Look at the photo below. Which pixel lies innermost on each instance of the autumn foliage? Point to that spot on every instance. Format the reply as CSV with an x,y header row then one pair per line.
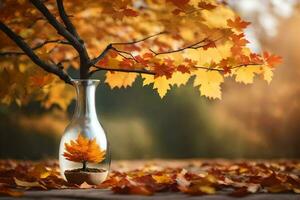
x,y
84,150
165,43
191,177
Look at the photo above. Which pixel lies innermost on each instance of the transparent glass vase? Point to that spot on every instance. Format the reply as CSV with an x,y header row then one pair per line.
x,y
84,154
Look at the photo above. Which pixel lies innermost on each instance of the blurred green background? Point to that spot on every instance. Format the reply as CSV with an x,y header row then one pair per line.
x,y
251,121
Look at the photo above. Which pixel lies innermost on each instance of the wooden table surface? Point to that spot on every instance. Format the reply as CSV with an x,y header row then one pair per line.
x,y
89,194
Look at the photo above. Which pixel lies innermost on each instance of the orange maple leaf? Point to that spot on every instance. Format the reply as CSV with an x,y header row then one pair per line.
x,y
272,60
237,24
180,3
130,13
206,6
84,150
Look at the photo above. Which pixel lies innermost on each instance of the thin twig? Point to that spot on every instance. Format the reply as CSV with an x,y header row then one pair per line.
x,y
140,40
38,46
141,71
110,46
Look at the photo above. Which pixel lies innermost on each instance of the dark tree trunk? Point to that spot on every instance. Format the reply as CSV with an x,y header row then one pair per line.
x,y
84,165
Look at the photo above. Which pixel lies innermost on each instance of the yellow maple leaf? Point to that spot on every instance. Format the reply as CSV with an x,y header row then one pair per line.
x,y
179,78
59,94
147,79
120,79
268,74
218,17
246,74
209,83
161,84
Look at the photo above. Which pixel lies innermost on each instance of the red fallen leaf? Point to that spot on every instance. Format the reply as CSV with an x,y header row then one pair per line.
x,y
110,182
130,13
240,192
270,181
206,6
141,190
10,192
136,190
294,181
237,23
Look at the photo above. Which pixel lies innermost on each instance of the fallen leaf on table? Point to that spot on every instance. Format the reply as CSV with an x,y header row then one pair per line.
x,y
34,184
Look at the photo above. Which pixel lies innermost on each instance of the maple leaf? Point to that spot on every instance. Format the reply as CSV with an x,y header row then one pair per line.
x,y
179,78
206,5
238,43
239,39
179,3
163,70
272,60
246,74
61,95
129,12
120,79
83,150
161,84
183,69
210,44
209,83
238,24
29,184
268,74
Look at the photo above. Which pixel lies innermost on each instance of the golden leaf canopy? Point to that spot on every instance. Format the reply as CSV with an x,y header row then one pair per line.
x,y
166,42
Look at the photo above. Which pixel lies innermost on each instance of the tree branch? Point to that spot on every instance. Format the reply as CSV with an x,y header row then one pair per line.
x,y
140,71
140,40
70,27
110,46
192,46
143,71
80,48
30,53
38,46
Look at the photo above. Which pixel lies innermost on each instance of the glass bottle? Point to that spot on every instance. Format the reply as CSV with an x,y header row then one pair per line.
x,y
84,154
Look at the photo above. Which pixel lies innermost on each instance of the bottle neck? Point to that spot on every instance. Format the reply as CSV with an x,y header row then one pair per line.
x,y
85,105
